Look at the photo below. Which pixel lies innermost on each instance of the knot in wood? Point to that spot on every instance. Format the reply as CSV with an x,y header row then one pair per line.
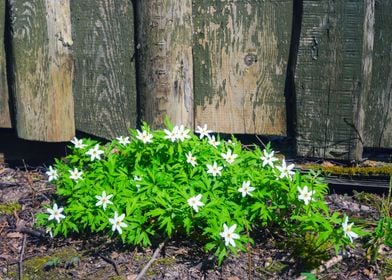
x,y
249,59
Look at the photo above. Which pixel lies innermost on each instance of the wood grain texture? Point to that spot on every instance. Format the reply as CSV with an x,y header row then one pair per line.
x,y
378,112
5,117
329,77
42,69
104,83
166,66
240,58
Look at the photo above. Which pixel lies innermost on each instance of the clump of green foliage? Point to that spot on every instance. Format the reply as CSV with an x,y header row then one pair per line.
x,y
156,184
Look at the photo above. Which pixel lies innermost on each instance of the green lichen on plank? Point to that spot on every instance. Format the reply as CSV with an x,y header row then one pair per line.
x,y
104,84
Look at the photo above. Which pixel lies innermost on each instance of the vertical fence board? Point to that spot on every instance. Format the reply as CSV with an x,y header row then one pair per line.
x,y
330,79
104,83
42,69
240,58
165,56
5,118
378,111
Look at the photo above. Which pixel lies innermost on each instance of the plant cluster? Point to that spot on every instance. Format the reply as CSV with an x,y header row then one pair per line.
x,y
156,184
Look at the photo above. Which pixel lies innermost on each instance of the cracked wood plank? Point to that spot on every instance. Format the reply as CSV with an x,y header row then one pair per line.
x,y
165,61
241,50
332,77
5,117
42,69
104,84
378,112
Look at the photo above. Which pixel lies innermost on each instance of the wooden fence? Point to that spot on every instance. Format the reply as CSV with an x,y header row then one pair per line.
x,y
319,71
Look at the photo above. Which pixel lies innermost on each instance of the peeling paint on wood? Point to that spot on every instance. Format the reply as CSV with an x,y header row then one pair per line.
x,y
104,83
240,58
329,78
378,120
5,117
42,69
165,61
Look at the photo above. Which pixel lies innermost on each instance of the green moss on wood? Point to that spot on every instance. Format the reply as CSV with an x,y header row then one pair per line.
x,y
9,208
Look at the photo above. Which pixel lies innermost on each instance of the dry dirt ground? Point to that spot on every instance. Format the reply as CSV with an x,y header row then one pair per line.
x,y
28,253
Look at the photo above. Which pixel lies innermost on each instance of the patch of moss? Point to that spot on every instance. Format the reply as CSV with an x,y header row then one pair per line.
x,y
9,208
48,266
353,170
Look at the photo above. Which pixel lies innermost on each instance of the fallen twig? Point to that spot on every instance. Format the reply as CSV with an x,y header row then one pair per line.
x,y
20,263
154,256
30,231
325,266
112,262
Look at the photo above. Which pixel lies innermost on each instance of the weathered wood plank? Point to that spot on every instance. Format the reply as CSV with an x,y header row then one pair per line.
x,y
165,61
240,58
330,81
104,83
42,69
5,118
378,112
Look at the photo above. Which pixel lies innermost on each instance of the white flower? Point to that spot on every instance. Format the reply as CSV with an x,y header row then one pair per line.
x,y
75,174
95,153
348,232
203,131
123,140
195,202
230,142
117,222
183,133
229,157
268,158
214,169
246,189
144,136
213,142
49,231
191,159
78,143
305,195
103,200
55,213
285,171
52,173
171,135
229,235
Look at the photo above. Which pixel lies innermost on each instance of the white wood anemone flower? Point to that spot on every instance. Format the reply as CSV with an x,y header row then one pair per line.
x,y
229,156
171,135
285,170
191,159
214,169
212,141
55,213
123,140
246,189
183,133
229,235
144,136
305,194
95,153
52,173
103,200
347,229
75,174
203,131
268,158
195,202
117,222
78,143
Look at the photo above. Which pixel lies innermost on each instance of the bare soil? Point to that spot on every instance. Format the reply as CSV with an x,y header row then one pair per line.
x,y
29,253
